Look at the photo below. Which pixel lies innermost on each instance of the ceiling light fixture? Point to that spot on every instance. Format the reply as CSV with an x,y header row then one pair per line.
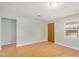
x,y
54,4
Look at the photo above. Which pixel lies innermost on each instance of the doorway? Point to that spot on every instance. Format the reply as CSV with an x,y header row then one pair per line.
x,y
51,32
8,31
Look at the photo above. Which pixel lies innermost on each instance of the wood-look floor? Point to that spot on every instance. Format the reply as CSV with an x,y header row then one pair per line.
x,y
43,49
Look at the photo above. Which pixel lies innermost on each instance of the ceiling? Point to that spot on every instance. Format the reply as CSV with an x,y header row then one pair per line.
x,y
40,10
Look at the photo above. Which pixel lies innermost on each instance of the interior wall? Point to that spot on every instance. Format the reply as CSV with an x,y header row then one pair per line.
x,y
31,31
60,38
8,31
0,33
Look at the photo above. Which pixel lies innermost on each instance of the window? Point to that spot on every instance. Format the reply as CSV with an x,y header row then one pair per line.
x,y
72,29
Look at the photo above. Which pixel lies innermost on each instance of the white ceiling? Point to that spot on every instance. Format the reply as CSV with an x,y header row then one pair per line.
x,y
40,10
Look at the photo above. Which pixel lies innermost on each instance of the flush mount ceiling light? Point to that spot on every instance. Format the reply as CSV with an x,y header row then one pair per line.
x,y
54,4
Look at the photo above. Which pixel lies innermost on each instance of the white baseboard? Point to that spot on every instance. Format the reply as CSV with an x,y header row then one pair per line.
x,y
29,43
8,43
67,46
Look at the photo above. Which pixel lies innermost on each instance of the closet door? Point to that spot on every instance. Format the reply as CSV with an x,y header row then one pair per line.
x,y
8,31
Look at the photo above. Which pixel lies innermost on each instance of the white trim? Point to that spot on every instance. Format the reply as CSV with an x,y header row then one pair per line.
x,y
67,46
19,45
54,31
8,43
51,21
0,48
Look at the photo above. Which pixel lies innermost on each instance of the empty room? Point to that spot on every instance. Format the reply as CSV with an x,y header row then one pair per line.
x,y
39,29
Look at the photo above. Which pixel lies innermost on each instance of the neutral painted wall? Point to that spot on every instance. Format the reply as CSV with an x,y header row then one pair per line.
x,y
60,38
8,31
31,31
0,33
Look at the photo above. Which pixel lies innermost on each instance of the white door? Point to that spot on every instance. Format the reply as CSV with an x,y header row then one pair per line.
x,y
8,31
